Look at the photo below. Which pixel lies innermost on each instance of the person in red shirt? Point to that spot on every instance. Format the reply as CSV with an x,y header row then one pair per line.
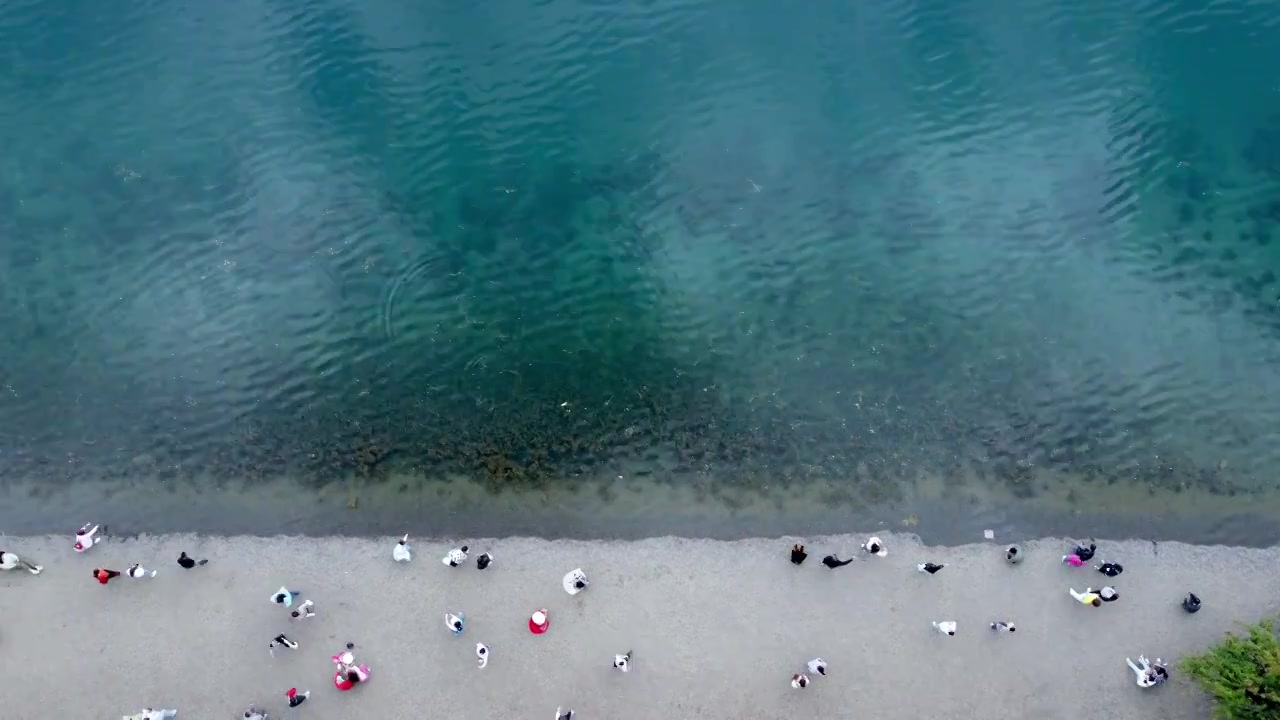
x,y
104,576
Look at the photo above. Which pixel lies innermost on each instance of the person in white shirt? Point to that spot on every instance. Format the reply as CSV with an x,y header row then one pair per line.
x,y
875,546
566,715
87,537
946,627
622,662
456,557
284,596
9,561
575,581
799,681
1149,674
819,666
401,552
304,611
136,571
454,622
482,655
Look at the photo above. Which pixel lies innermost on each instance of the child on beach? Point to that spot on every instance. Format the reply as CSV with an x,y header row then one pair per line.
x,y
799,681
304,611
402,552
1002,626
1088,598
279,640
622,662
87,537
1110,569
454,623
833,562
819,666
284,596
1013,555
456,557
104,576
798,554
484,561
575,581
482,655
137,572
946,627
9,561
875,546
187,562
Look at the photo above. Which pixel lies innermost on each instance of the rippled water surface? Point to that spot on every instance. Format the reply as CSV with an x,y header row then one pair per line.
x,y
723,246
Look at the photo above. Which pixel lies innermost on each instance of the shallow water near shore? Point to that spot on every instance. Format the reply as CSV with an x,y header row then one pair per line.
x,y
685,268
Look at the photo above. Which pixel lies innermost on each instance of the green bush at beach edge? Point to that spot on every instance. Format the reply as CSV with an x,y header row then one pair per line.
x,y
1241,673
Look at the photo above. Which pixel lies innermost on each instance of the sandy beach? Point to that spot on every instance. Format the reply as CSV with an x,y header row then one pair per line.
x,y
717,629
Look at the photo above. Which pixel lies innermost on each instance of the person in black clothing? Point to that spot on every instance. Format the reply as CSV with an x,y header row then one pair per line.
x,y
834,562
798,554
1110,569
1191,603
484,561
187,562
1085,553
929,567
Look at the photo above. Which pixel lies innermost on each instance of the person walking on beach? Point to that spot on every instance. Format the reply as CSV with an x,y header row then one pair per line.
x,y
875,546
566,715
798,554
929,567
1013,555
575,581
279,640
402,552
103,576
946,627
137,572
87,537
1087,598
1191,603
284,596
296,698
799,681
454,623
187,562
833,562
484,561
819,666
622,662
1110,569
1002,626
9,561
482,655
455,557
304,611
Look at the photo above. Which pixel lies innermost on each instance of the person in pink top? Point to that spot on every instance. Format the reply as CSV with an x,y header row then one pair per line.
x,y
87,537
1072,560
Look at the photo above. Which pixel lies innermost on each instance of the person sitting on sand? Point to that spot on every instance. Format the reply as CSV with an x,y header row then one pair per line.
x,y
931,568
187,562
454,623
1088,598
1110,569
1107,593
1073,560
834,562
253,713
799,681
622,662
104,575
138,572
566,715
798,554
875,546
304,611
9,561
484,561
1003,626
1147,674
1013,555
402,552
284,596
455,557
482,655
1084,553
946,627
1191,603
575,581
296,698
819,666
87,537
281,640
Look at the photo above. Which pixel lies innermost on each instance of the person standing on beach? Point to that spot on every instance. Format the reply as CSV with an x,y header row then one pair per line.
x,y
103,576
929,567
484,561
1110,569
402,552
622,662
1088,598
1013,555
833,562
87,537
187,562
799,681
875,546
798,554
1002,626
946,627
279,640
455,557
137,572
304,611
575,581
284,596
9,561
819,666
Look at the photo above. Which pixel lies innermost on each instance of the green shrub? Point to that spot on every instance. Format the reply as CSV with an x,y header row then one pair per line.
x,y
1242,673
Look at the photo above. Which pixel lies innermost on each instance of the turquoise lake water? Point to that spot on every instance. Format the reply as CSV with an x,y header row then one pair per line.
x,y
712,245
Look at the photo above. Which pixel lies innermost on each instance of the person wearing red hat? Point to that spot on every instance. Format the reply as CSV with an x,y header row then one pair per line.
x,y
539,622
104,576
